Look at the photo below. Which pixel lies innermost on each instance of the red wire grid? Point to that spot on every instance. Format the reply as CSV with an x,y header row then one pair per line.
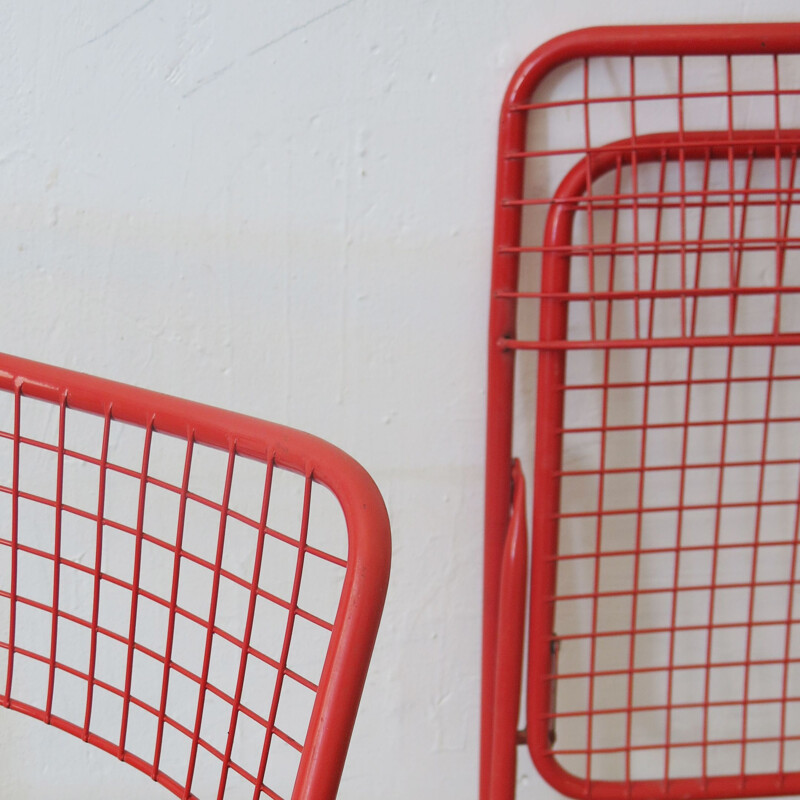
x,y
647,261
193,591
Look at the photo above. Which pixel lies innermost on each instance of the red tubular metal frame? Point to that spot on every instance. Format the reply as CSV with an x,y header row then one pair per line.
x,y
671,151
350,629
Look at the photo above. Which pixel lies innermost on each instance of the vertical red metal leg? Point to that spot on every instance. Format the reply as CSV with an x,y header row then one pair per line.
x,y
510,637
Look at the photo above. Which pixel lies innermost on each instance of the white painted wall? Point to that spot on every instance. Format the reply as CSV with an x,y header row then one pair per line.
x,y
286,209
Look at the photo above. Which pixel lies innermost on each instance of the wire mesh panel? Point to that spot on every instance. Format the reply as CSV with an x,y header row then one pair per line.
x,y
648,256
193,591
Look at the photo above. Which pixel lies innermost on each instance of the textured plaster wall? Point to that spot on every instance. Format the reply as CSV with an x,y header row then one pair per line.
x,y
285,209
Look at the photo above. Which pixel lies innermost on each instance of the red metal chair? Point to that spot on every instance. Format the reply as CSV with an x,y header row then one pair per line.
x,y
647,259
193,591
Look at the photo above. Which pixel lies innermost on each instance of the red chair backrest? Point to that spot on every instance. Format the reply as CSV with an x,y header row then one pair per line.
x,y
647,251
194,591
